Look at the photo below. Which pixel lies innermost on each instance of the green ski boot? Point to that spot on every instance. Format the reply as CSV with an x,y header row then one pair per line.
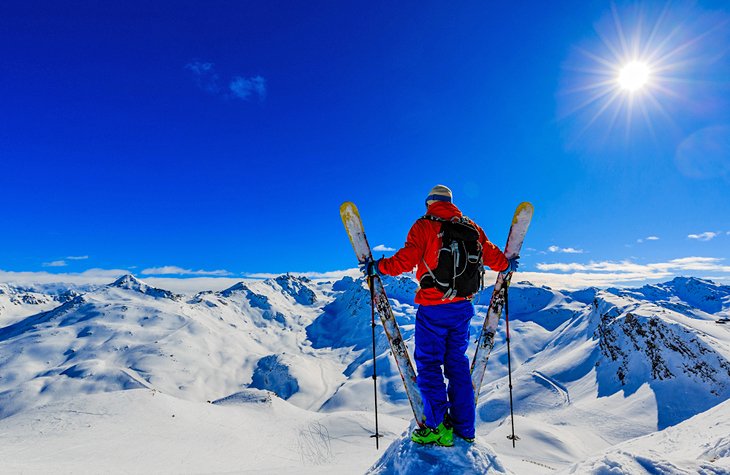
x,y
441,435
450,425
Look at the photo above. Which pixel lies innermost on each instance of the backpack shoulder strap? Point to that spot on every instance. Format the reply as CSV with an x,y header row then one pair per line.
x,y
431,217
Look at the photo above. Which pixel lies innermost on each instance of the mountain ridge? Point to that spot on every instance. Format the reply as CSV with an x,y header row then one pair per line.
x,y
583,360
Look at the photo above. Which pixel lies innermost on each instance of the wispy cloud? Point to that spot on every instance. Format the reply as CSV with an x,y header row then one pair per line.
x,y
175,270
60,263
685,263
239,87
706,236
90,276
648,238
204,76
565,250
97,277
383,248
246,88
191,285
605,273
568,276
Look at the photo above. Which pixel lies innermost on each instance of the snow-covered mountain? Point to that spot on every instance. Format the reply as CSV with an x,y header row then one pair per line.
x,y
19,302
591,369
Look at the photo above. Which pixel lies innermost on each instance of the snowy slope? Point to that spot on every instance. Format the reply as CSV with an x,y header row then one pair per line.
x,y
129,335
144,431
591,369
698,445
618,369
17,302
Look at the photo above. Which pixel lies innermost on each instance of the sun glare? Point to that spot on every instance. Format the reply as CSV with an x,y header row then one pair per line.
x,y
633,76
642,63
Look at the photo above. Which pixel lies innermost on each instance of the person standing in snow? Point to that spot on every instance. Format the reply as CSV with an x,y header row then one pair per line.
x,y
443,316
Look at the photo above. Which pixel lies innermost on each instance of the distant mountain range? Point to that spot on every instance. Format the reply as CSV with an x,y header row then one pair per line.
x,y
591,368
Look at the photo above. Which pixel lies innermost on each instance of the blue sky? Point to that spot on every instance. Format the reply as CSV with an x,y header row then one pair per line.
x,y
221,137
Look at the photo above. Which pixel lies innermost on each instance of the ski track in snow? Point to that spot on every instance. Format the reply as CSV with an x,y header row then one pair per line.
x,y
557,387
68,401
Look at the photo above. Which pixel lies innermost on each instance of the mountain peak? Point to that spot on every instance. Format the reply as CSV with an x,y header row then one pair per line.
x,y
290,277
235,288
130,282
296,287
691,281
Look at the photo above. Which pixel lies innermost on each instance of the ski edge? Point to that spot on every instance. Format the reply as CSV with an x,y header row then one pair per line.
x,y
518,230
353,224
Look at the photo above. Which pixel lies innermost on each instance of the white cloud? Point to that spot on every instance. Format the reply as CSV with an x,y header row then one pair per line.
x,y
565,250
77,258
204,76
60,263
648,238
91,276
383,248
175,270
107,276
568,276
244,88
192,285
239,87
606,273
706,236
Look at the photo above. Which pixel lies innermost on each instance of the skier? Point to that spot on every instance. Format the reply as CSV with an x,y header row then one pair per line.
x,y
444,312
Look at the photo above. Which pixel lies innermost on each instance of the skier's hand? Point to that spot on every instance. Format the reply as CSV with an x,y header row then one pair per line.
x,y
370,268
512,266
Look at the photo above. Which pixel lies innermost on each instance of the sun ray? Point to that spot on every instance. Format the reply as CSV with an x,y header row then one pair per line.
x,y
647,119
592,99
639,68
606,83
619,29
659,107
606,105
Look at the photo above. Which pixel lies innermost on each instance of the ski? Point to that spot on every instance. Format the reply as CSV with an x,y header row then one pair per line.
x,y
485,342
356,232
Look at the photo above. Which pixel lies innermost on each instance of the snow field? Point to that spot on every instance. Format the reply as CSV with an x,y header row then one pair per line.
x,y
90,385
147,431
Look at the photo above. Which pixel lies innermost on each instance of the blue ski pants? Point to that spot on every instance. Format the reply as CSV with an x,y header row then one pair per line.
x,y
442,336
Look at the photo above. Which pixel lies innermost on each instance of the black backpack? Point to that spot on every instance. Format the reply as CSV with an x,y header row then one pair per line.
x,y
460,270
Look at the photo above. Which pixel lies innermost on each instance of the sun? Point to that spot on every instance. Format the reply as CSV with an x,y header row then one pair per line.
x,y
642,65
634,76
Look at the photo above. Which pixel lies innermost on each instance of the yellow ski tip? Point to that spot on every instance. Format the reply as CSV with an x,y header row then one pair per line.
x,y
348,208
347,205
522,208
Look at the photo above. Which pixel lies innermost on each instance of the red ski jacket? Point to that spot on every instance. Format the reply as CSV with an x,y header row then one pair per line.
x,y
423,243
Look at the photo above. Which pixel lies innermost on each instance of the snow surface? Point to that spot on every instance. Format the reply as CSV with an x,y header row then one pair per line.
x,y
406,458
274,376
18,302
